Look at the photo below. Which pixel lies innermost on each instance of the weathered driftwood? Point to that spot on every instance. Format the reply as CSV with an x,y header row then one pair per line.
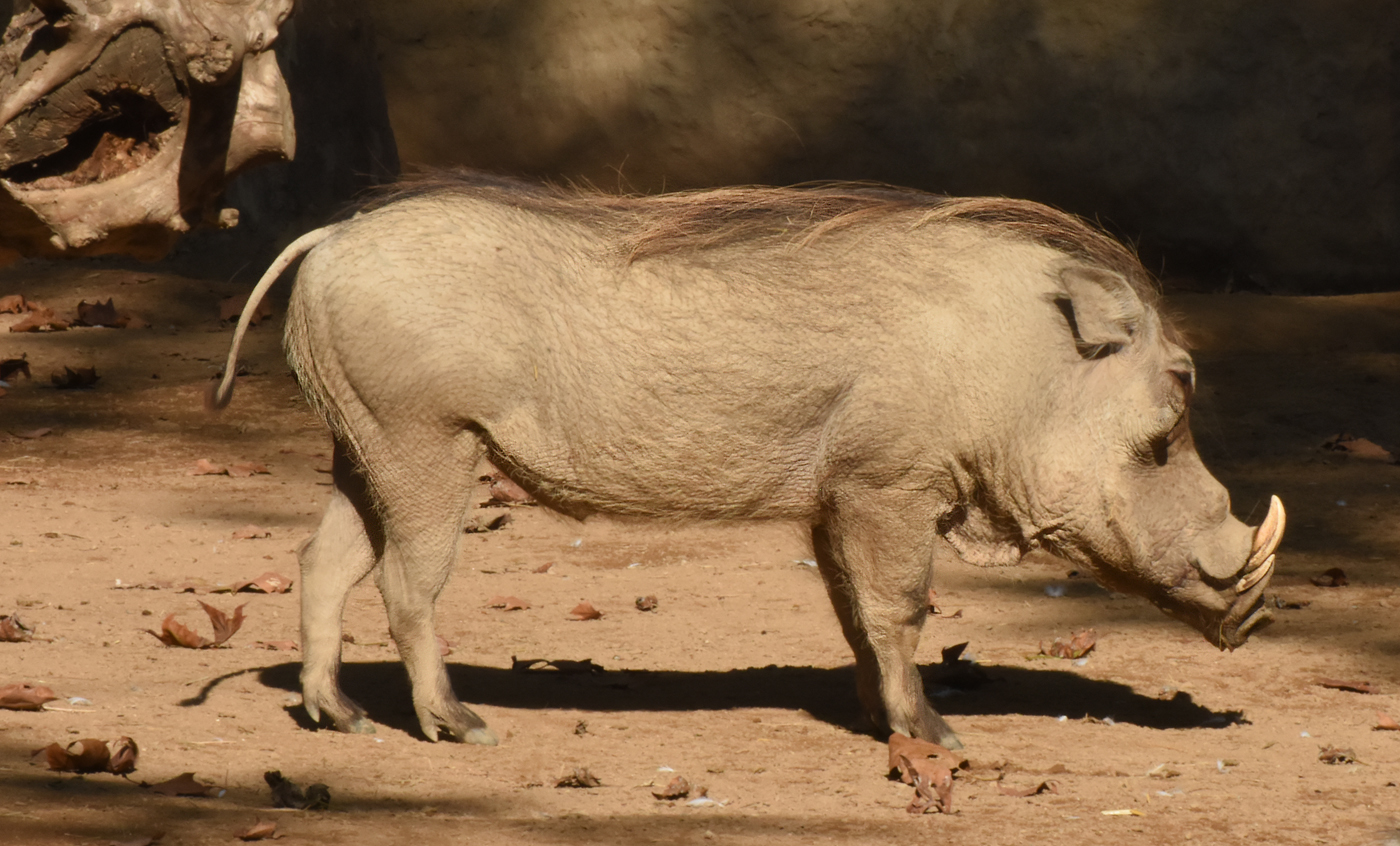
x,y
121,121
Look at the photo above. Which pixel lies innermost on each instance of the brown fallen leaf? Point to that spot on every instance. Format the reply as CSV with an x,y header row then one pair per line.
x,y
580,777
250,532
543,568
646,603
251,468
123,754
507,603
23,696
1034,790
41,319
231,307
88,755
480,525
1336,755
70,379
929,768
541,665
1358,447
98,314
10,366
33,434
173,633
260,830
585,611
502,491
1353,686
268,582
1384,722
288,794
277,645
676,788
13,630
1079,645
183,784
12,304
1335,577
205,467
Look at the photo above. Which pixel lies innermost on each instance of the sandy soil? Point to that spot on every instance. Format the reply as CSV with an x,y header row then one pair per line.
x,y
739,679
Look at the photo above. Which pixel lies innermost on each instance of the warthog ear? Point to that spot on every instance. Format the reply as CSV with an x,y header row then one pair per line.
x,y
1102,308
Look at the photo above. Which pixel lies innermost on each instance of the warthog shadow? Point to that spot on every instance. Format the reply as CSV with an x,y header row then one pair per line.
x,y
828,695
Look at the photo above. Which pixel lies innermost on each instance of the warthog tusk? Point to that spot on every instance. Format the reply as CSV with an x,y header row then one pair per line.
x,y
1253,577
1267,536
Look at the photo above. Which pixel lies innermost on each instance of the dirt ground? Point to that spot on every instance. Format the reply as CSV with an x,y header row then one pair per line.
x,y
739,680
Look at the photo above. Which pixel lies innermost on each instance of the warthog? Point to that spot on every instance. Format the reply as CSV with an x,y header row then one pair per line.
x,y
886,367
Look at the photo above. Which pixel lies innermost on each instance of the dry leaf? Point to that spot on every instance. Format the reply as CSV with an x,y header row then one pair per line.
x,y
12,304
40,319
33,434
676,788
579,778
1359,447
538,665
288,794
23,696
268,582
205,467
503,491
260,830
249,532
231,307
1079,645
478,525
1353,686
1384,722
543,568
13,630
929,768
1035,790
10,366
123,754
98,314
251,468
507,603
277,645
585,611
88,755
181,785
1335,755
83,377
646,603
175,634
1335,577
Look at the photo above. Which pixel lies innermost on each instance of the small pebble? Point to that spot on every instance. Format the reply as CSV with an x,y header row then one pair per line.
x,y
1054,590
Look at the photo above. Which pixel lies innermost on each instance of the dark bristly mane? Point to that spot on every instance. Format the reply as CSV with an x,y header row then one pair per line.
x,y
647,226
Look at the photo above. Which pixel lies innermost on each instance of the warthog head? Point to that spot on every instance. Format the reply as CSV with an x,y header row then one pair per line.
x,y
1109,477
122,120
1145,515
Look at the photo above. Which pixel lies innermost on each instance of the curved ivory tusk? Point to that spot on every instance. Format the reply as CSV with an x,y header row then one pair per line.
x,y
1252,578
1268,535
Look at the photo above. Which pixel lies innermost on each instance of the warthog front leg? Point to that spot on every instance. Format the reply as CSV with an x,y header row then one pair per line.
x,y
876,558
335,558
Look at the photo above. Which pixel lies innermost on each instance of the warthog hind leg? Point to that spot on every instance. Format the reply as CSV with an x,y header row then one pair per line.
x,y
424,503
876,558
337,557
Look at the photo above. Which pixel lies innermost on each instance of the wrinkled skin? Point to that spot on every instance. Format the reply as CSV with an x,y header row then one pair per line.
x,y
909,377
122,120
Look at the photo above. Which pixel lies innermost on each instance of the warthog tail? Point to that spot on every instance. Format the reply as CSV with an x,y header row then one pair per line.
x,y
217,397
